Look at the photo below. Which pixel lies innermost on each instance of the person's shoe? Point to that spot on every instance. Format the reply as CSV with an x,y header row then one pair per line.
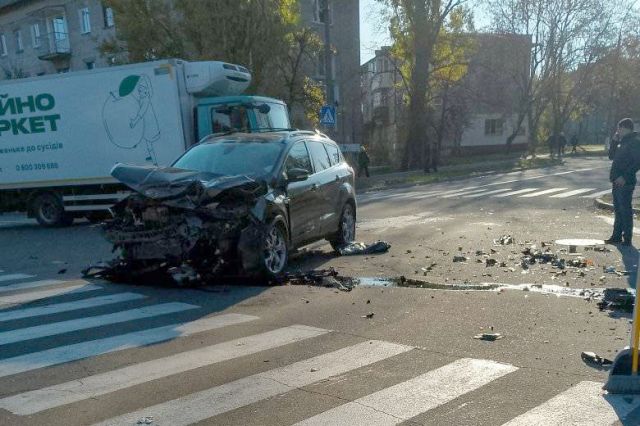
x,y
613,240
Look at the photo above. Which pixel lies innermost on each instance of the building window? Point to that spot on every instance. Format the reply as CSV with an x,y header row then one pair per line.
x,y
3,45
35,35
108,17
493,127
90,65
85,20
19,44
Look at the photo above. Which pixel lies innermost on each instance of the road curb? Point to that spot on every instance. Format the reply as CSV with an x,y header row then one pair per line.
x,y
601,204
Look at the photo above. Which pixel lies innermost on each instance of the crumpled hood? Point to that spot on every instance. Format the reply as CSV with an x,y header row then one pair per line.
x,y
166,183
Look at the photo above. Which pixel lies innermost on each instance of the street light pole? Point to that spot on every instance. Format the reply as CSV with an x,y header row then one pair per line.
x,y
328,54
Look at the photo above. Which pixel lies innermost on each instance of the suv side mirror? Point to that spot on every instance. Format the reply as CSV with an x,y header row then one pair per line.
x,y
297,175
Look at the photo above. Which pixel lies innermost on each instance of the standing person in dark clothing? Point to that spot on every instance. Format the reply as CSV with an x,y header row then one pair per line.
x,y
551,141
363,162
561,140
574,144
625,153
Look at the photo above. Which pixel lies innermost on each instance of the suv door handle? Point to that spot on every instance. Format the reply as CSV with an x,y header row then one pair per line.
x,y
337,178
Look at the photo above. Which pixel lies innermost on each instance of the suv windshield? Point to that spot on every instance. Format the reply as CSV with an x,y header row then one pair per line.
x,y
230,158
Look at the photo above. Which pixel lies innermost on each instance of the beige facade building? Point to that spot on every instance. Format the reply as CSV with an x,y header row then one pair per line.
x,y
481,112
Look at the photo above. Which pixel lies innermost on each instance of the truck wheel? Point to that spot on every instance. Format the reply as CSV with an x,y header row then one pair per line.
x,y
49,211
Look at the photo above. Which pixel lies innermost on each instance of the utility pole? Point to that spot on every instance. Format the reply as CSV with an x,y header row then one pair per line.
x,y
328,54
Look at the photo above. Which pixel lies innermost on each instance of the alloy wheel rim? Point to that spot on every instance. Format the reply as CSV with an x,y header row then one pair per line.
x,y
275,251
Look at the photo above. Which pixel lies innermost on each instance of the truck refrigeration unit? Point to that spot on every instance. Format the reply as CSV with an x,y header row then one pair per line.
x,y
60,135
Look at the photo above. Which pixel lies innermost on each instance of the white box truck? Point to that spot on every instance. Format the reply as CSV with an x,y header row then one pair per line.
x,y
61,134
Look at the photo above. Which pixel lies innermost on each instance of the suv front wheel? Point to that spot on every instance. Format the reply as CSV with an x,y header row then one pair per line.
x,y
347,229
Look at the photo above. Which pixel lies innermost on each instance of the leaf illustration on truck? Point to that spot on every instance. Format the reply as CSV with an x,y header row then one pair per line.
x,y
129,116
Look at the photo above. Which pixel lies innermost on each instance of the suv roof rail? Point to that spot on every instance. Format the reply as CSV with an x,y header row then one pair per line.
x,y
303,132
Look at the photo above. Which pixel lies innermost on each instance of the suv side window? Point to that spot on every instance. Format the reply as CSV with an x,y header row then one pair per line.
x,y
319,155
298,158
334,153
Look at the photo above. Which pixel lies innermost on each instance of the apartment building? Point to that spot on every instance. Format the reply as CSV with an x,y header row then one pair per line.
x,y
47,36
487,97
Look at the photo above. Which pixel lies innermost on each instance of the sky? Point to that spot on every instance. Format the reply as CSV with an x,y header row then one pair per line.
x,y
373,32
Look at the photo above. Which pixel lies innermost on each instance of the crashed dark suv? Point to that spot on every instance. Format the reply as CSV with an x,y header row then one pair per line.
x,y
241,201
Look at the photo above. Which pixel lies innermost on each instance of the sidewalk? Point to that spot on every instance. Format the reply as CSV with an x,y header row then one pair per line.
x,y
606,202
452,172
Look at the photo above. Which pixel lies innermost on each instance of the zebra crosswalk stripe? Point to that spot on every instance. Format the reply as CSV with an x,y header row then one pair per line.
x,y
598,194
230,396
484,194
583,404
572,193
52,329
29,285
93,386
403,401
545,192
57,308
458,194
45,294
13,277
518,192
74,352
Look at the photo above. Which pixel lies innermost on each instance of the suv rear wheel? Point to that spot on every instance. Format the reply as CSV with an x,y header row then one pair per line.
x,y
347,229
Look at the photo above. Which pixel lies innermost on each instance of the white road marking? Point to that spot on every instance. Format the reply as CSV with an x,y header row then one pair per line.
x,y
230,396
545,192
45,294
13,277
52,329
100,384
458,194
69,306
518,192
572,193
610,221
583,405
28,285
50,357
401,402
497,191
598,194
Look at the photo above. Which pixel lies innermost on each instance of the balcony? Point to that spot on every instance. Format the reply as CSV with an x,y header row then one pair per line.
x,y
53,46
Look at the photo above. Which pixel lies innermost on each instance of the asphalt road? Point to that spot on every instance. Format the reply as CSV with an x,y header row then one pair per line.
x,y
76,352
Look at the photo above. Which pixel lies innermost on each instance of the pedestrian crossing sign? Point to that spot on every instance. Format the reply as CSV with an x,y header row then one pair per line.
x,y
328,116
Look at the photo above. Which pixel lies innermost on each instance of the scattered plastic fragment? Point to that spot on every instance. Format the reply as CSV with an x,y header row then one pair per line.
x,y
147,420
489,337
594,359
353,249
369,315
459,259
504,240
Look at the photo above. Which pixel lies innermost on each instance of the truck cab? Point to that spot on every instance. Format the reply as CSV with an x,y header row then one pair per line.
x,y
240,113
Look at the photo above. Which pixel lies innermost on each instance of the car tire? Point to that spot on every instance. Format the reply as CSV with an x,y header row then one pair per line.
x,y
346,229
258,248
49,210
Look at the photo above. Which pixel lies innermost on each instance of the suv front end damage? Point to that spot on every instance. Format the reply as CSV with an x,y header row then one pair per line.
x,y
186,221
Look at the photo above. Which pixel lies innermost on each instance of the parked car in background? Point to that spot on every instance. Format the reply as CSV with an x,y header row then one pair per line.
x,y
242,200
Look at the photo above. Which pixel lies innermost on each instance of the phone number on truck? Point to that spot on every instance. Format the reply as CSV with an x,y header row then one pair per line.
x,y
36,166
